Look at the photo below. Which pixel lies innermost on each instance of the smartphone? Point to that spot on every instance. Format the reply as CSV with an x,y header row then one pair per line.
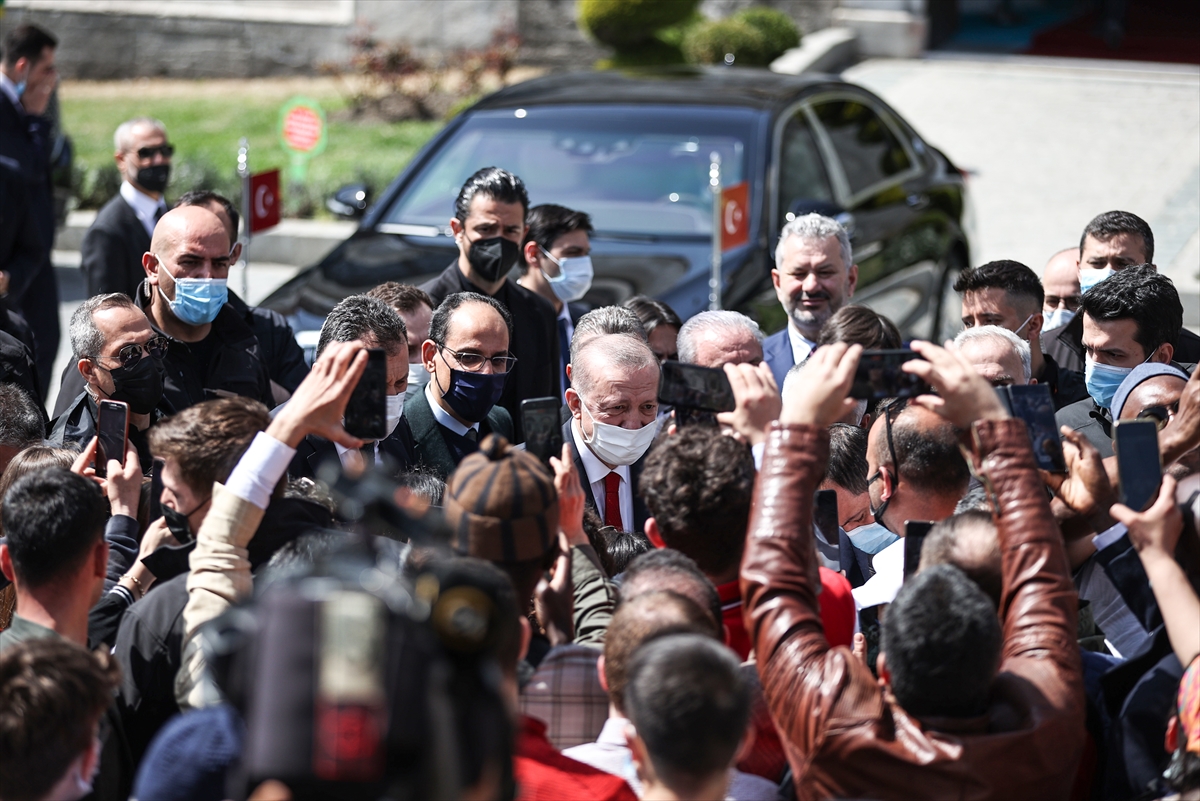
x,y
366,413
112,427
690,386
1035,406
1139,463
879,376
915,532
825,527
542,420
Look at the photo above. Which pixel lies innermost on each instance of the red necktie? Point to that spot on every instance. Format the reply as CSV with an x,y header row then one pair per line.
x,y
612,501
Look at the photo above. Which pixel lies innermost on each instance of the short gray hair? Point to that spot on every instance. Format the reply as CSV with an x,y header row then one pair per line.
x,y
1009,338
729,322
621,353
86,339
124,132
815,227
602,321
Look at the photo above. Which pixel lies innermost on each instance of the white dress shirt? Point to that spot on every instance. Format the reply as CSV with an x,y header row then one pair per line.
x,y
801,345
596,471
145,207
345,457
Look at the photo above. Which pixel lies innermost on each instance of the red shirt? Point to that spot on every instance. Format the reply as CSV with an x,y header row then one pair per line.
x,y
835,601
543,774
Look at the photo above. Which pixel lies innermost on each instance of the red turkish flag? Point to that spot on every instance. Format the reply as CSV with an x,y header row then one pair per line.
x,y
264,201
735,216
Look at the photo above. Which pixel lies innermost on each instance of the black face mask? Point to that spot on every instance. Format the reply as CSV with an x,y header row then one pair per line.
x,y
177,523
154,178
491,259
141,385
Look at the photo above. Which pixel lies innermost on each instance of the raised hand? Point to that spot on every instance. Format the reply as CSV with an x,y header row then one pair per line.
x,y
319,403
758,401
964,396
571,498
818,396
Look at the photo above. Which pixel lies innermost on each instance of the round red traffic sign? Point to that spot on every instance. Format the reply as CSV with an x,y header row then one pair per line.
x,y
302,128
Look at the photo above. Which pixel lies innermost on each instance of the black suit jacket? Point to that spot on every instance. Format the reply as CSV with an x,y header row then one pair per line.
x,y
534,340
640,512
313,451
21,251
112,250
430,449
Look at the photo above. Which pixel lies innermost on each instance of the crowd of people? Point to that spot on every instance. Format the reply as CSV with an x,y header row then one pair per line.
x,y
252,602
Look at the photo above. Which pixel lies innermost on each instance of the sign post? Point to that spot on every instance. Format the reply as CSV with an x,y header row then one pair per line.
x,y
243,169
714,185
303,132
260,206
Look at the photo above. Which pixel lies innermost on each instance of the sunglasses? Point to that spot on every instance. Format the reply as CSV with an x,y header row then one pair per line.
x,y
148,152
1159,415
130,355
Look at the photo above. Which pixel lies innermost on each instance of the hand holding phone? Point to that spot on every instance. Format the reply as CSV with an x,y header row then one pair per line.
x,y
1139,464
541,419
1035,406
112,430
879,376
692,387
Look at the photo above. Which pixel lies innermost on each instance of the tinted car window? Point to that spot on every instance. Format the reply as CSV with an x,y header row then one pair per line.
x,y
801,172
865,145
633,169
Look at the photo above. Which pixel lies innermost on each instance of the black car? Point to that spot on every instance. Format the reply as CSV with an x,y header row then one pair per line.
x,y
633,150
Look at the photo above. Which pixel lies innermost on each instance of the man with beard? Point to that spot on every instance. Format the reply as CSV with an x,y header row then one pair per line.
x,y
814,276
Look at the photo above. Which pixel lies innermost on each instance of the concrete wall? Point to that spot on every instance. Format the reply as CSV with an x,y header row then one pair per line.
x,y
115,39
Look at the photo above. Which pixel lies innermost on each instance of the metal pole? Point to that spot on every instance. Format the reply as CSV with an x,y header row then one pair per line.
x,y
714,184
244,173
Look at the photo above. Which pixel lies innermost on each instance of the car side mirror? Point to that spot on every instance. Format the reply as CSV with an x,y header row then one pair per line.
x,y
350,201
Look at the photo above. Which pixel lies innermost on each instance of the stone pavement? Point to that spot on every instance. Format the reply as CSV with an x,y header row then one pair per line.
x,y
1052,142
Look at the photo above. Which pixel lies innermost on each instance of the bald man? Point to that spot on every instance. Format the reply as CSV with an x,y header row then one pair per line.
x,y
1060,279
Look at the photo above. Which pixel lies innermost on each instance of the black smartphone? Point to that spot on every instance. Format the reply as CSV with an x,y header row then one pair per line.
x,y
366,413
1139,462
112,426
825,527
915,532
542,420
1035,406
690,386
879,376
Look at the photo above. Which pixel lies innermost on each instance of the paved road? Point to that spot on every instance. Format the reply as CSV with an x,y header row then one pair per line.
x,y
1053,142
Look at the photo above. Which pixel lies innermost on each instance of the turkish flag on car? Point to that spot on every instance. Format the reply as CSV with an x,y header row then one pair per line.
x,y
735,216
264,201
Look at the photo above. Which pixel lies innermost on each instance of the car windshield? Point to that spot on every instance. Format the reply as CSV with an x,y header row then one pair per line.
x,y
634,169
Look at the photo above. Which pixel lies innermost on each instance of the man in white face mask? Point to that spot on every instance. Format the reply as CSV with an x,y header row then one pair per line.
x,y
1060,279
415,308
614,410
556,264
373,324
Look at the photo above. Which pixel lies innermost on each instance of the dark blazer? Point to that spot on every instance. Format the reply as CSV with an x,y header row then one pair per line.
x,y
397,452
21,250
1094,423
112,250
1066,346
537,372
429,446
640,512
777,353
17,367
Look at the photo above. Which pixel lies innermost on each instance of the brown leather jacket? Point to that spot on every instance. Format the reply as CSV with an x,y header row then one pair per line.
x,y
844,734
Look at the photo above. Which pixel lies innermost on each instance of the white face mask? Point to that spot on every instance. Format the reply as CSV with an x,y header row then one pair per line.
x,y
1089,277
574,277
395,410
418,377
1058,318
615,445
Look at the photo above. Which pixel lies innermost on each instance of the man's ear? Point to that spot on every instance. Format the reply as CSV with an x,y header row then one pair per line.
x,y
600,672
428,351
1035,325
885,478
150,265
456,227
852,279
1164,353
6,565
653,534
573,399
236,253
100,559
568,372
530,252
526,636
865,422
86,369
775,278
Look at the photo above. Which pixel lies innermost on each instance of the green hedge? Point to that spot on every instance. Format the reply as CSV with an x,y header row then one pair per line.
x,y
755,37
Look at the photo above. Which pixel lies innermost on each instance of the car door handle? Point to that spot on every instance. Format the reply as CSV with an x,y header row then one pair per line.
x,y
917,201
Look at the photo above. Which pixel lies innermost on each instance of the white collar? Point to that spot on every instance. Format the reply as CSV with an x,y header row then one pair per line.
x,y
595,469
801,345
10,90
142,204
443,417
613,732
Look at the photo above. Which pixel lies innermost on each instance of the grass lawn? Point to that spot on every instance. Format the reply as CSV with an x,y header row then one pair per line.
x,y
205,120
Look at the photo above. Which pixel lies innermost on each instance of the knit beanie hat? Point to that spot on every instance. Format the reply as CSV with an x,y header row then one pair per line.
x,y
501,505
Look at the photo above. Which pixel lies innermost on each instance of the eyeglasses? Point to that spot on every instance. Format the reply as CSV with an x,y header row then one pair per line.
x,y
473,362
155,346
897,404
149,152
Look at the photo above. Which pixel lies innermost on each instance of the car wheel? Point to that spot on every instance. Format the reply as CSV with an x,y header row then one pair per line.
x,y
948,321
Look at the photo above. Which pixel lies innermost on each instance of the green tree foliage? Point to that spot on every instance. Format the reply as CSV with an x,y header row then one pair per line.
x,y
755,37
632,27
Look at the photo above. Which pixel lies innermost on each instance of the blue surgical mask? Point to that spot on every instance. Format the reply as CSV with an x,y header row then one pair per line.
x,y
574,277
1103,380
1058,318
20,87
1089,277
472,395
198,301
871,538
